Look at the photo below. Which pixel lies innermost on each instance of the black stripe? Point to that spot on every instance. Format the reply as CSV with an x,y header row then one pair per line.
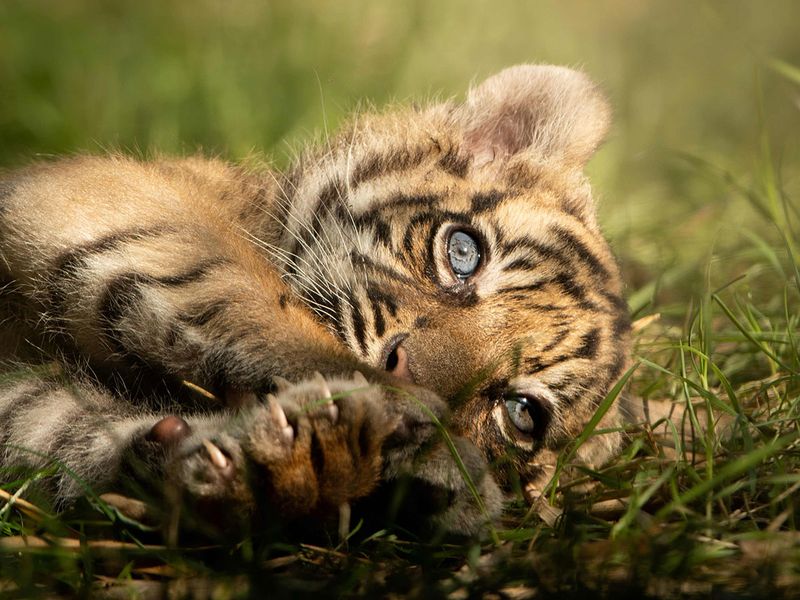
x,y
124,290
388,301
622,324
329,197
377,313
420,220
69,262
523,264
379,165
574,290
361,260
577,247
195,274
320,302
529,244
616,301
379,226
522,175
359,326
398,202
544,307
379,299
201,315
383,233
338,321
523,288
617,365
533,364
487,201
455,163
120,294
589,344
559,337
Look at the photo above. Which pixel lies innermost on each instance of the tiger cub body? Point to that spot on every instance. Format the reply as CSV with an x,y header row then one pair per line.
x,y
441,263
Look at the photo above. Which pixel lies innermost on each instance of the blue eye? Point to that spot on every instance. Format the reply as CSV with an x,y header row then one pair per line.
x,y
520,411
464,253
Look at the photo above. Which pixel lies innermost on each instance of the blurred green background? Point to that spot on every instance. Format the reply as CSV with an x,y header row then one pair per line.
x,y
694,86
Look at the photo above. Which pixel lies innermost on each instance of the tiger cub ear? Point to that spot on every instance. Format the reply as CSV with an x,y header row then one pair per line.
x,y
546,111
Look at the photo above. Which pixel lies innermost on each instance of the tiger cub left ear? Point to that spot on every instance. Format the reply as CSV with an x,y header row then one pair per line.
x,y
545,111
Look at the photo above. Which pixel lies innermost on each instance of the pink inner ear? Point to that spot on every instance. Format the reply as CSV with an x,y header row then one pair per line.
x,y
549,111
500,133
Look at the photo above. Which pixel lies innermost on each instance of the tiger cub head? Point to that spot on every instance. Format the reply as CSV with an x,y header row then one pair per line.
x,y
456,246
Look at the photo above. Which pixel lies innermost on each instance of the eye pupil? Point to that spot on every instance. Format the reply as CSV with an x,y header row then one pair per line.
x,y
464,254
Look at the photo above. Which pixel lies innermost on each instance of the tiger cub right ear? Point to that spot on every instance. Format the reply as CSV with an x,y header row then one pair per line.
x,y
548,112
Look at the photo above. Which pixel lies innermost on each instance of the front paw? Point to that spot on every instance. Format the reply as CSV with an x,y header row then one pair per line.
x,y
447,489
307,449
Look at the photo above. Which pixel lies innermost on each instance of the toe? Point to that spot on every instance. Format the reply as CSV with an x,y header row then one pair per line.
x,y
169,431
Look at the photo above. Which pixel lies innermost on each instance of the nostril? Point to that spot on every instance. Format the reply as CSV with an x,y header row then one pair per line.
x,y
392,360
397,359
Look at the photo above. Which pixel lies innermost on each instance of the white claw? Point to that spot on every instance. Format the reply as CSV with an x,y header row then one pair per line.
x,y
217,457
333,411
281,384
287,431
359,378
319,379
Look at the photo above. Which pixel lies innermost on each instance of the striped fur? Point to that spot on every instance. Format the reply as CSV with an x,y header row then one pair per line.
x,y
138,275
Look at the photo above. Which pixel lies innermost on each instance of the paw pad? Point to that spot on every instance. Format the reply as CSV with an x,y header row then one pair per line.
x,y
169,431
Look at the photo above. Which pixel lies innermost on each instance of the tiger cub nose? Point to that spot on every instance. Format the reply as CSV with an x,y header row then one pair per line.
x,y
396,361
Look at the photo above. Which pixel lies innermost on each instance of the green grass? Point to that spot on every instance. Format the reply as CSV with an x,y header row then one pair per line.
x,y
698,189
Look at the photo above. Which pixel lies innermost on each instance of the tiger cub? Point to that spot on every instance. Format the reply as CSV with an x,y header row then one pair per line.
x,y
278,345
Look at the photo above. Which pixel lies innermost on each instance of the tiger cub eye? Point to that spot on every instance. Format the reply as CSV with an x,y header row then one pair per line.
x,y
464,254
519,411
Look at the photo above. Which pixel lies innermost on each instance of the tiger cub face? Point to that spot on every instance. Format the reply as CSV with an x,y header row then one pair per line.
x,y
456,246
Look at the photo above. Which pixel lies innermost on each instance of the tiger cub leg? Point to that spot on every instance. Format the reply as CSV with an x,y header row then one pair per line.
x,y
307,450
147,271
311,446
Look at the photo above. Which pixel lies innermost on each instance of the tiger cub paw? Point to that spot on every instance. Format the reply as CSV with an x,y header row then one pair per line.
x,y
308,448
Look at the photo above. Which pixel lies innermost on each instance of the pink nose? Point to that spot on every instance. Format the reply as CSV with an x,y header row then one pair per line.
x,y
397,363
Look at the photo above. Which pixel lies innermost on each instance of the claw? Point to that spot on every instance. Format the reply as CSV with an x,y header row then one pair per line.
x,y
217,457
281,384
359,378
329,406
318,378
287,431
333,411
